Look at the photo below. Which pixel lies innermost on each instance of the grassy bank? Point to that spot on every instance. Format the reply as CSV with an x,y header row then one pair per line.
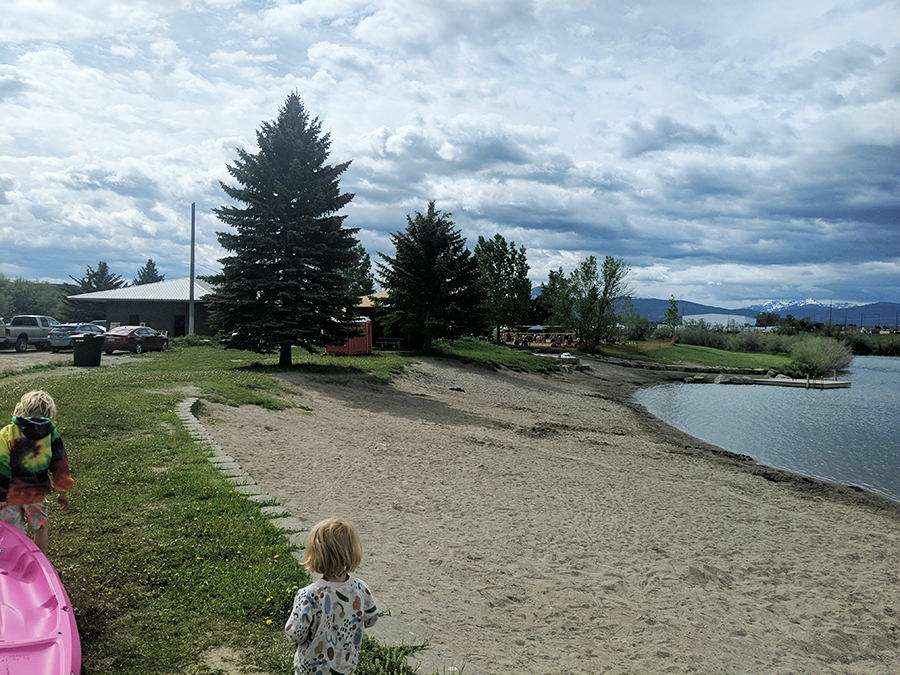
x,y
667,353
164,563
488,355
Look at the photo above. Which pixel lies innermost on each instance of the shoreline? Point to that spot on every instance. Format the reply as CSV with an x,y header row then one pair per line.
x,y
536,524
670,374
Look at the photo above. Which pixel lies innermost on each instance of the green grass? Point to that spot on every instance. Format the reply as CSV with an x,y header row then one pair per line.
x,y
12,372
161,558
492,356
660,352
488,355
380,366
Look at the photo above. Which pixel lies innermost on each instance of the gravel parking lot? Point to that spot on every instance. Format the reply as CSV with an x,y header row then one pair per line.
x,y
10,359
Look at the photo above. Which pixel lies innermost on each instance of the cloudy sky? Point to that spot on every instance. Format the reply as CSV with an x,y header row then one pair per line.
x,y
729,152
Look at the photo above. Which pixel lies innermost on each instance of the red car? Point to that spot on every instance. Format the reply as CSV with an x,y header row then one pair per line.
x,y
136,339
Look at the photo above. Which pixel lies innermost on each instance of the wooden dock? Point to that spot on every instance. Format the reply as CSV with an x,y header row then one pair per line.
x,y
803,384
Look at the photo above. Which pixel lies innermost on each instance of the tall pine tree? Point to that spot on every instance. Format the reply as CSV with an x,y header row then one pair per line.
x,y
285,282
100,279
148,274
432,281
362,281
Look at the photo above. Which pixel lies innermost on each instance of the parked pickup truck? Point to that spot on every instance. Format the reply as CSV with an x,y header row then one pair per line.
x,y
29,329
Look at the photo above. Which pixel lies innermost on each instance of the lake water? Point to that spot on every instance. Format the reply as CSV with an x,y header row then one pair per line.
x,y
849,436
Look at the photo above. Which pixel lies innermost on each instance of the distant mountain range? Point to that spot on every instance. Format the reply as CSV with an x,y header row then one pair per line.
x,y
875,314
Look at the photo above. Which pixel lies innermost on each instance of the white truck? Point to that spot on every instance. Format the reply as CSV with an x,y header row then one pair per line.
x,y
29,329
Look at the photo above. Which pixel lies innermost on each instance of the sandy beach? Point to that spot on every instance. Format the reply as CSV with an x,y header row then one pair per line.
x,y
548,525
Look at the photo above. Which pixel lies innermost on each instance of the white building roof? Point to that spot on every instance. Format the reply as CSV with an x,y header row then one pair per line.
x,y
161,291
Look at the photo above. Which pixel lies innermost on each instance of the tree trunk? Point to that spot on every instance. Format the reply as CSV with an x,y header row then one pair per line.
x,y
284,357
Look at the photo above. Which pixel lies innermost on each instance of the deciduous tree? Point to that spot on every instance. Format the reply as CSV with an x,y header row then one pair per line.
x,y
503,271
20,296
557,300
285,281
635,327
586,300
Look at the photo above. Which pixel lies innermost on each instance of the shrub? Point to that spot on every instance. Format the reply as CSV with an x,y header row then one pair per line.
x,y
816,355
699,333
191,341
663,333
876,345
746,341
637,329
859,344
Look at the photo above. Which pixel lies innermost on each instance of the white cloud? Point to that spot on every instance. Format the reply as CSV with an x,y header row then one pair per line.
x,y
338,59
718,148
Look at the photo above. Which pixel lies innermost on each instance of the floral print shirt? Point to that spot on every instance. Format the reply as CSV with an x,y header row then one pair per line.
x,y
327,624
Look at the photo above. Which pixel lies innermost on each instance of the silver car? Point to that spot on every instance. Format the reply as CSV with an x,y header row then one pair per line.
x,y
61,336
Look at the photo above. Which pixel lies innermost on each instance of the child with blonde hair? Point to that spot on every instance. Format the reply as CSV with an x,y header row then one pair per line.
x,y
31,451
329,615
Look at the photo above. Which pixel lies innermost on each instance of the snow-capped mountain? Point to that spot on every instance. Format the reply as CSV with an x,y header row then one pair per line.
x,y
843,313
788,306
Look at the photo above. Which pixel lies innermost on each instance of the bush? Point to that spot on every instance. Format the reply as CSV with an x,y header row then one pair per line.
x,y
876,345
191,341
817,355
663,333
746,341
699,333
859,344
638,330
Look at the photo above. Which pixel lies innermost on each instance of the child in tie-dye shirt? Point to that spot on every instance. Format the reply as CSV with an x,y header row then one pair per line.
x,y
31,452
329,615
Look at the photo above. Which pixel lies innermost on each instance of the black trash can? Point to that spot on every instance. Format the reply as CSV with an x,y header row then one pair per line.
x,y
87,349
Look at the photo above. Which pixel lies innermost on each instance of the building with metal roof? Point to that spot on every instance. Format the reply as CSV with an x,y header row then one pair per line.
x,y
164,305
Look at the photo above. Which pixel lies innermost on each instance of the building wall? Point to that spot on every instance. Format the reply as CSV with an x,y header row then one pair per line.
x,y
171,317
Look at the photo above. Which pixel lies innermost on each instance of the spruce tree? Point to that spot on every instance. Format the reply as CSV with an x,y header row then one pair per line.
x,y
100,279
148,274
362,281
432,281
285,282
673,316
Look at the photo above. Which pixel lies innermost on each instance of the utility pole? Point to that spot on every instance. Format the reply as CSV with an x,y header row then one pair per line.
x,y
191,293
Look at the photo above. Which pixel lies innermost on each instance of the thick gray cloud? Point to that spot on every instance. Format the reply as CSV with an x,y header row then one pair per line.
x,y
729,153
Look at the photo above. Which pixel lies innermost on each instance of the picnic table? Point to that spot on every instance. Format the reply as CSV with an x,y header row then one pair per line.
x,y
388,343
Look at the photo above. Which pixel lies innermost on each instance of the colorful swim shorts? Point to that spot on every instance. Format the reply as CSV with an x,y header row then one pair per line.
x,y
26,517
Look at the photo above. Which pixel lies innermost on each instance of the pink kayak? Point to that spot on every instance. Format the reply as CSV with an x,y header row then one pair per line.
x,y
38,634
